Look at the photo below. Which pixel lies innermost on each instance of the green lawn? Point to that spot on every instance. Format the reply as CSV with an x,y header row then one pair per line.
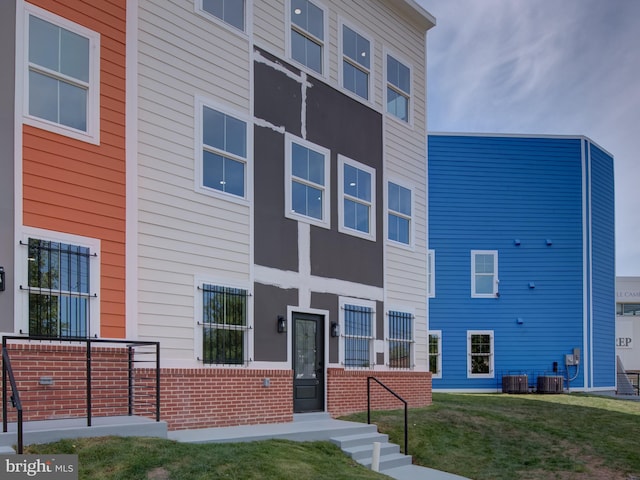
x,y
522,436
116,458
495,437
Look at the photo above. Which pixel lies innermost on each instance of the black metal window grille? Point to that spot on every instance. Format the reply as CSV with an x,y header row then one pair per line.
x,y
400,339
224,323
434,354
480,353
358,336
59,289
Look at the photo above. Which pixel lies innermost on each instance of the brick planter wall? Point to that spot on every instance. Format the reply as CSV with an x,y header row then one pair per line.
x,y
66,367
347,390
200,398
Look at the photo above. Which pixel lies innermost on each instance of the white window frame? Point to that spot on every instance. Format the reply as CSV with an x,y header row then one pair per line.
x,y
22,306
388,84
200,103
92,134
342,58
343,301
325,222
411,218
198,337
492,354
389,339
438,335
431,273
290,26
494,293
371,235
248,4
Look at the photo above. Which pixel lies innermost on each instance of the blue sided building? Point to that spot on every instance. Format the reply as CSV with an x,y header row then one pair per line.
x,y
521,235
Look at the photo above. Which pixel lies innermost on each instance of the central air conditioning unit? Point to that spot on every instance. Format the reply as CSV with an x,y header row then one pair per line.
x,y
550,384
515,384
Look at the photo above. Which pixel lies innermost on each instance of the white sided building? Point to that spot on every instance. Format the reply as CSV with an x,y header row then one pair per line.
x,y
628,322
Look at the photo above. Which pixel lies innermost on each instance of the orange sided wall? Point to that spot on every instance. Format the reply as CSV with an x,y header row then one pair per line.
x,y
347,390
76,187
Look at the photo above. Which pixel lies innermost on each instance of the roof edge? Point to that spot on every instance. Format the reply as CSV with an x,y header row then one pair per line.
x,y
521,135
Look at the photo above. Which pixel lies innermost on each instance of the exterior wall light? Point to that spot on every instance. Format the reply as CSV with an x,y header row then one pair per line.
x,y
1,279
282,324
335,329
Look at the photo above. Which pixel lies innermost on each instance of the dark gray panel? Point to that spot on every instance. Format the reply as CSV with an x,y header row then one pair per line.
x,y
276,237
277,97
329,302
350,128
7,192
268,303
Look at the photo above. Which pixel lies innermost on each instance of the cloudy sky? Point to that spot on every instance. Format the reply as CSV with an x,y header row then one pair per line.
x,y
545,67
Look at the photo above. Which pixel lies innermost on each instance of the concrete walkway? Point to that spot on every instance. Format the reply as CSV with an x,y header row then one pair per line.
x,y
307,427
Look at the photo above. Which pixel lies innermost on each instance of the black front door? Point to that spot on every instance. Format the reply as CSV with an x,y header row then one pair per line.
x,y
308,363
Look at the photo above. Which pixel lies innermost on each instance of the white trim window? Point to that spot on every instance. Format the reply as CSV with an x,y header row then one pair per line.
x,y
401,325
484,273
60,281
222,145
399,218
480,354
431,273
356,62
229,12
224,325
307,182
435,353
61,75
357,207
398,90
358,332
307,36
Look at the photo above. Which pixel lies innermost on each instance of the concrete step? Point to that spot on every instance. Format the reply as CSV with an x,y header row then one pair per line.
x,y
387,462
359,439
7,451
46,431
365,451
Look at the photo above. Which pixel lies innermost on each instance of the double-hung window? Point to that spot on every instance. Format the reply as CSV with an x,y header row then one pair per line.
x,y
480,354
400,339
399,219
356,62
435,353
223,167
231,12
357,190
484,273
62,75
358,332
224,324
307,182
398,88
307,34
59,288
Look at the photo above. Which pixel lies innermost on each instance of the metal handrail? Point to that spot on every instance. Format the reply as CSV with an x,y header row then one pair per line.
x,y
406,415
88,343
7,370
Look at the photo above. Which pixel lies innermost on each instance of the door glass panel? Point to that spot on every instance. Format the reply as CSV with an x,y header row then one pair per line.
x,y
305,364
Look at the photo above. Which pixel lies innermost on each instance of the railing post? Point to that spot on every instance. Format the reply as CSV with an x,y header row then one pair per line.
x,y
130,379
368,400
88,341
157,381
20,437
4,387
